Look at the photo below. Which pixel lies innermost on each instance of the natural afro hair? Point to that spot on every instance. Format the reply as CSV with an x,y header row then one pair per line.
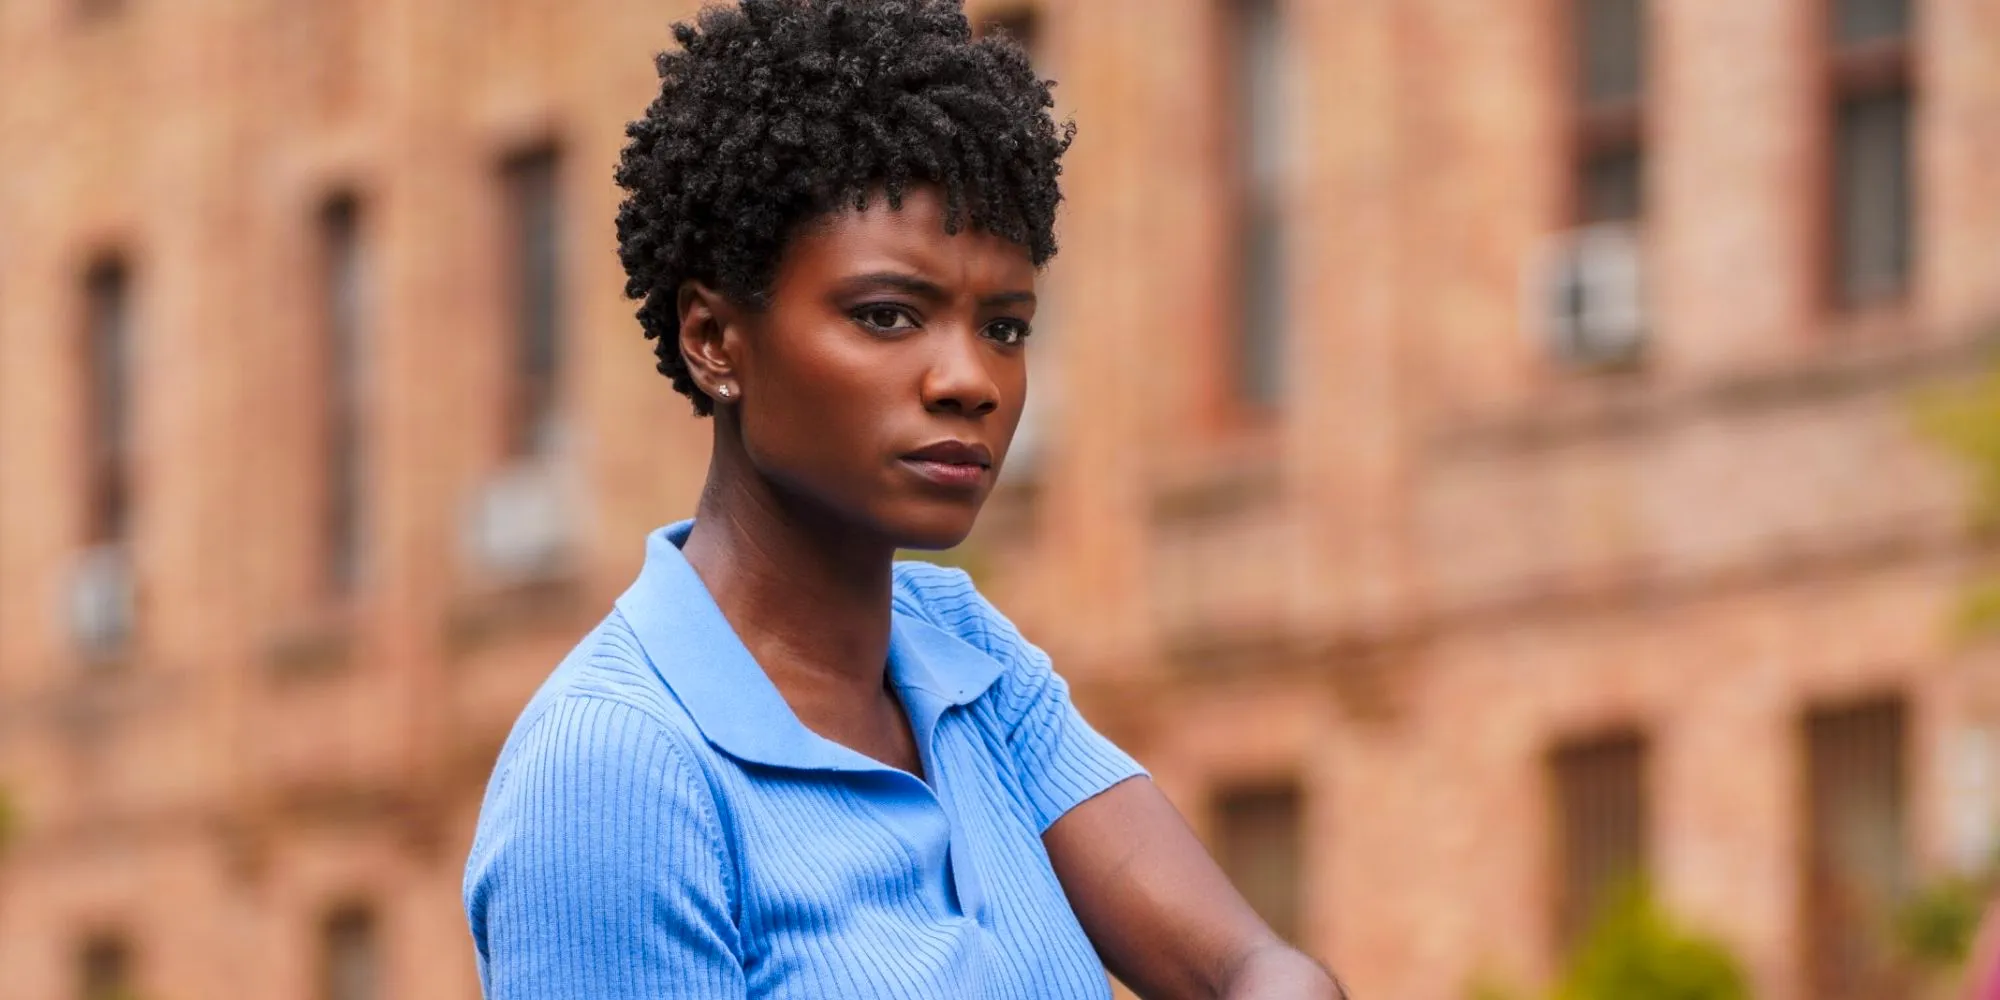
x,y
775,112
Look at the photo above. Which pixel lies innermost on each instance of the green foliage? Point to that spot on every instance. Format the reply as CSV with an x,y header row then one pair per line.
x,y
10,819
1965,420
1485,986
1636,952
1935,927
1979,609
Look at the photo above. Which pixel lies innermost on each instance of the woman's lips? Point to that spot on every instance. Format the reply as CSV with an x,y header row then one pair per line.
x,y
953,464
956,475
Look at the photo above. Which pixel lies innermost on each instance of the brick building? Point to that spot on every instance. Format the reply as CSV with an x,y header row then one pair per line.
x,y
1471,461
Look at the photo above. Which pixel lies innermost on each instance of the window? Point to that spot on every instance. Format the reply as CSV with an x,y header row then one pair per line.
x,y
342,308
350,959
104,970
1862,21
533,276
1857,856
1259,843
1256,106
1022,24
1599,824
96,10
107,365
1610,65
101,596
1872,225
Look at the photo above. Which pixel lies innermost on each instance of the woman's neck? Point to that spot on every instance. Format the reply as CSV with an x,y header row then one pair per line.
x,y
809,596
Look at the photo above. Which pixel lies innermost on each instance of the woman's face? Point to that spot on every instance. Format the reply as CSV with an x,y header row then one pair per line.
x,y
883,382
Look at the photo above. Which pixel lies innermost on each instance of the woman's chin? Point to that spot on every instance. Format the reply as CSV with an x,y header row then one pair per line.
x,y
934,531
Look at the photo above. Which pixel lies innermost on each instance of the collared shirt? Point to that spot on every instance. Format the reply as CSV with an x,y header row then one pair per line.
x,y
660,823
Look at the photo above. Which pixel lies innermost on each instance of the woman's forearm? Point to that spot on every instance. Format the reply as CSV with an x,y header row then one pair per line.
x,y
1277,972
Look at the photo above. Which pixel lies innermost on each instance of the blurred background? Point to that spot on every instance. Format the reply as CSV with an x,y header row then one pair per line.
x,y
1521,473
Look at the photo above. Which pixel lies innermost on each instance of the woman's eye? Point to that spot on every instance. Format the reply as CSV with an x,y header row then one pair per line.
x,y
1008,331
885,318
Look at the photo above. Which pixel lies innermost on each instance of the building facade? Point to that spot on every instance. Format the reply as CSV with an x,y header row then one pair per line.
x,y
1472,463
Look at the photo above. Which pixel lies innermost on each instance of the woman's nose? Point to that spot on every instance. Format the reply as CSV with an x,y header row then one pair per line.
x,y
959,380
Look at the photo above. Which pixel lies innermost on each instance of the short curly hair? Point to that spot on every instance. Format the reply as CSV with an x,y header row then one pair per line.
x,y
775,112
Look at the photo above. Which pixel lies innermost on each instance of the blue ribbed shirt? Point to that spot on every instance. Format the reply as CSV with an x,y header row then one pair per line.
x,y
661,825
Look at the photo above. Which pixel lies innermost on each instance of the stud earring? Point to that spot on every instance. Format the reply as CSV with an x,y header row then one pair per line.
x,y
722,391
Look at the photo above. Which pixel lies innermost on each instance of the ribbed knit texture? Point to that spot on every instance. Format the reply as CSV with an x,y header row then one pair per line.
x,y
640,839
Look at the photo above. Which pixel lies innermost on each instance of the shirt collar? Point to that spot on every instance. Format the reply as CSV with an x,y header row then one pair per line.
x,y
733,702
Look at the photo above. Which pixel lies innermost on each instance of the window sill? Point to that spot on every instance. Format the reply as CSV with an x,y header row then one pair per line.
x,y
1222,481
1875,320
542,604
106,697
315,646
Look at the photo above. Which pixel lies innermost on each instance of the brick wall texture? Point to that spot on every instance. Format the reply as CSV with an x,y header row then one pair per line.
x,y
1440,556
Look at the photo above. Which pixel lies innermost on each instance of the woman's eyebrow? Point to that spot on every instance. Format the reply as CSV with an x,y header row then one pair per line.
x,y
908,284
1007,299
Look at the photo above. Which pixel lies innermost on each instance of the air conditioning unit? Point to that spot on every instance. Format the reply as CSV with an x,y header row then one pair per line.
x,y
101,600
522,521
1586,296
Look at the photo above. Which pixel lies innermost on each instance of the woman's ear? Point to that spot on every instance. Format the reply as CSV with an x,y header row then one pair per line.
x,y
706,317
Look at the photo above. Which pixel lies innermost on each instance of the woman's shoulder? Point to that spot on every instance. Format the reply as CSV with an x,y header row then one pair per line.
x,y
598,804
946,598
601,700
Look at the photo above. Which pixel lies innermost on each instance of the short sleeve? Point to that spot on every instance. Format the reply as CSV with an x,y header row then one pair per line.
x,y
1061,759
597,870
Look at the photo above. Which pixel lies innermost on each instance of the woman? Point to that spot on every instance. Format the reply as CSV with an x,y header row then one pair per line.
x,y
786,766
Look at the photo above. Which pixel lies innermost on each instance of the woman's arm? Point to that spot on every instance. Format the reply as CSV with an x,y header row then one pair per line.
x,y
597,871
1161,914
1160,911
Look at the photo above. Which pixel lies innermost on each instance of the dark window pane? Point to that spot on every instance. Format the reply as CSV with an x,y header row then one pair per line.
x,y
1258,73
1870,20
1259,844
1022,24
1857,857
1260,366
1872,208
108,362
1611,35
535,280
1259,99
351,963
104,970
343,280
1611,185
91,10
1600,826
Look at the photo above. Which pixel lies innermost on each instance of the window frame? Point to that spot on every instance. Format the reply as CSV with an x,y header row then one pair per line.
x,y
364,923
1291,920
97,950
1602,127
1850,71
532,401
1253,214
106,378
342,328
1573,906
1818,725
